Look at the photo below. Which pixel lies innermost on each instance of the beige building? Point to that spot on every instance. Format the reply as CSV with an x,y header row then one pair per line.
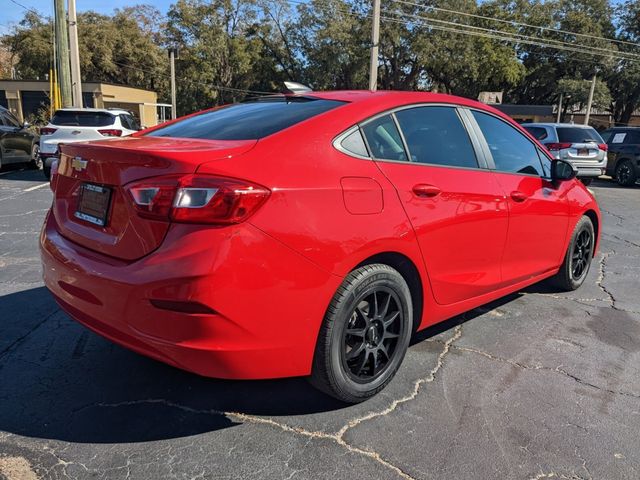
x,y
27,97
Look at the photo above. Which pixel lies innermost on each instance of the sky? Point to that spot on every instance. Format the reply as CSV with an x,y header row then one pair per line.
x,y
12,11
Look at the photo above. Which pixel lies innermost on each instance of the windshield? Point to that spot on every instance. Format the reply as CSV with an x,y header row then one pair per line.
x,y
250,120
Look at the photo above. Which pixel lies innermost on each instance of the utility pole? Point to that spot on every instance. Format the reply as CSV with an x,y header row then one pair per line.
x,y
590,100
375,38
559,109
76,83
62,48
172,61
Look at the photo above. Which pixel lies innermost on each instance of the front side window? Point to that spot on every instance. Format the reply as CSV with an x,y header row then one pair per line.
x,y
250,120
384,139
511,150
436,136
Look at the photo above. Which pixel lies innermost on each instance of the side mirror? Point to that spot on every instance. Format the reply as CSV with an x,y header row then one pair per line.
x,y
561,170
26,125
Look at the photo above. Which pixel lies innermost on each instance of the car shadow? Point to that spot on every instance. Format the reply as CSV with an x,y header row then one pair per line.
x,y
22,173
60,381
608,183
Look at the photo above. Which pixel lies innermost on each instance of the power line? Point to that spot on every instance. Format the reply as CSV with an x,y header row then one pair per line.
x,y
575,47
493,34
513,22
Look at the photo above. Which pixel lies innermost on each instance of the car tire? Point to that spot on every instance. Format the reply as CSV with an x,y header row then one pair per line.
x,y
577,259
625,173
47,171
586,181
36,162
365,334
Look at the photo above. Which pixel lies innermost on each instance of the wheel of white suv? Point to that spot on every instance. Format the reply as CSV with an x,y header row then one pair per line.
x,y
365,334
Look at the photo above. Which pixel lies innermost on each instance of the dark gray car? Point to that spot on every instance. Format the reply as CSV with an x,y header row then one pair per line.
x,y
17,143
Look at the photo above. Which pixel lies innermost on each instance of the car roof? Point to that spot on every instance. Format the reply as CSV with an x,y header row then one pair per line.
x,y
552,124
112,111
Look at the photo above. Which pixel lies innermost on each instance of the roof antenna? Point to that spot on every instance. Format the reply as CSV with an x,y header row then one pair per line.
x,y
295,87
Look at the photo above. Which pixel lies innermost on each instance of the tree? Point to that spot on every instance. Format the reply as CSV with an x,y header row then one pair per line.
x,y
624,77
576,95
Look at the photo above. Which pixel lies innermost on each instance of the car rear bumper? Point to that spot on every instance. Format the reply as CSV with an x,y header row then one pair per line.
x,y
589,168
262,303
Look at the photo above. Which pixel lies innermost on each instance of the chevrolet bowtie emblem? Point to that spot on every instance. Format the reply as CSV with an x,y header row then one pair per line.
x,y
78,164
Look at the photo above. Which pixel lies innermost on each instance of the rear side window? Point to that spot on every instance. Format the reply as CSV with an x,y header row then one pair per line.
x,y
354,143
9,120
578,135
436,136
511,150
129,122
249,120
70,118
539,133
384,139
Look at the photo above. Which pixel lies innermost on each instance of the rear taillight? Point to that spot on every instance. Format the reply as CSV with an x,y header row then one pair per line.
x,y
110,132
603,146
53,175
558,146
197,199
47,131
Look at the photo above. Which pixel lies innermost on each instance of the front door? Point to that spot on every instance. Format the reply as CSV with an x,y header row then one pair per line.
x,y
538,207
456,207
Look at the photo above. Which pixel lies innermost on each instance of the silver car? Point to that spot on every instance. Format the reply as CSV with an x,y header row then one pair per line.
x,y
580,145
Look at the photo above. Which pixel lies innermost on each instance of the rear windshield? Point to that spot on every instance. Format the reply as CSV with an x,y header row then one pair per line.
x,y
578,135
82,119
250,120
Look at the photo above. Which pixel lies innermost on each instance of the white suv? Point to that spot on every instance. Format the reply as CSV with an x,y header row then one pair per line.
x,y
77,125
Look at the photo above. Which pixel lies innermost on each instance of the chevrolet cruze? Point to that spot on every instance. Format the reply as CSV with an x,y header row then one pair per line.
x,y
309,234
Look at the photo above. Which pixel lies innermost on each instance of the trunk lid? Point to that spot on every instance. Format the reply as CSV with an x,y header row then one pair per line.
x,y
107,167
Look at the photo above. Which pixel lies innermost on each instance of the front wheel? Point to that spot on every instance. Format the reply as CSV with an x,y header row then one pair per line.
x,y
577,259
365,334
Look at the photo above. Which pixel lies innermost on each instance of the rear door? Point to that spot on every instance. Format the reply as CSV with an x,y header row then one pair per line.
x,y
456,207
538,207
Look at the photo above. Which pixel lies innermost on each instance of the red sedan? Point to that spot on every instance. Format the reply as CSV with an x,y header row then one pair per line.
x,y
309,234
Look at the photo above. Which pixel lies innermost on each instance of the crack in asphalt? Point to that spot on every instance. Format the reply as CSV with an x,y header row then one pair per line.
x,y
337,438
557,369
623,240
20,339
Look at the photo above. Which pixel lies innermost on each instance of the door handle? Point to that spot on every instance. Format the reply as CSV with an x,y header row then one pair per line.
x,y
426,190
518,196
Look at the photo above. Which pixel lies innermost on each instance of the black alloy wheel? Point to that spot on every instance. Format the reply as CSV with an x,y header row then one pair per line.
x,y
364,335
371,336
625,174
577,260
581,255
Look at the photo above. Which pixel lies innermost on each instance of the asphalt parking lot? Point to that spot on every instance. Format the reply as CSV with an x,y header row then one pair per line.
x,y
537,385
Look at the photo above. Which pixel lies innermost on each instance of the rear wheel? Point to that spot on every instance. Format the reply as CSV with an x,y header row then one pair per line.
x,y
625,173
365,334
36,161
577,259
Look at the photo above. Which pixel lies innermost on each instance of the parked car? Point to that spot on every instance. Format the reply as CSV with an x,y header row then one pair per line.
x,y
78,125
309,234
624,154
17,143
580,145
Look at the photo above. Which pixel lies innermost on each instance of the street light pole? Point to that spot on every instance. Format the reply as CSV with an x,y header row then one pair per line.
x,y
590,100
559,109
76,82
375,38
172,61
